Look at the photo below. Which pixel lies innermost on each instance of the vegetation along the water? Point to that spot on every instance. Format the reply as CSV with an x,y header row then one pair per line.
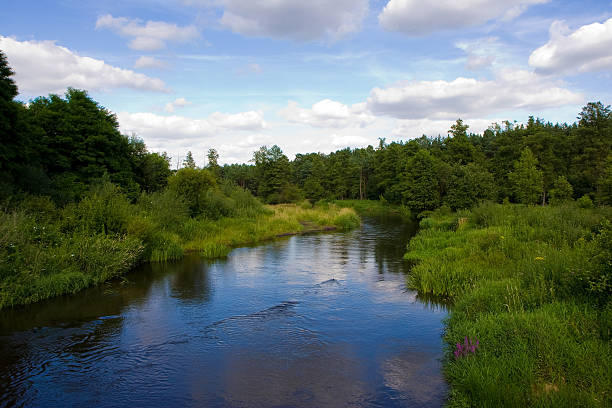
x,y
533,286
515,227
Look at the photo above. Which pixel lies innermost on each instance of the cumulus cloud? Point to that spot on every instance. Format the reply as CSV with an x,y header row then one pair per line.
x,y
149,36
589,48
348,141
149,62
151,126
294,19
463,97
235,136
415,18
328,114
43,67
177,103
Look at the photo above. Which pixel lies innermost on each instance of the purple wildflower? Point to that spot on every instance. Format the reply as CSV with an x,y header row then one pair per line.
x,y
468,347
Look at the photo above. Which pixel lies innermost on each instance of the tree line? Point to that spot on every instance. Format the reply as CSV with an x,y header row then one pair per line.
x,y
533,163
57,146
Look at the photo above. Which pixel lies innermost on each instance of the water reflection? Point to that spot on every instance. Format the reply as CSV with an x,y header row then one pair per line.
x,y
318,320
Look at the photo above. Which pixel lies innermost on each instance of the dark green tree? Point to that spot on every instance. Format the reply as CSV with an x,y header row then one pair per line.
x,y
12,144
421,183
468,185
526,179
561,191
273,172
192,185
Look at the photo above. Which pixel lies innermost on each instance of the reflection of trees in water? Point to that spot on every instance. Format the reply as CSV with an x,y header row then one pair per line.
x,y
392,235
189,279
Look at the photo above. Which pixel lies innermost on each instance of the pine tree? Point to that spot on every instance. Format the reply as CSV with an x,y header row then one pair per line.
x,y
189,162
527,181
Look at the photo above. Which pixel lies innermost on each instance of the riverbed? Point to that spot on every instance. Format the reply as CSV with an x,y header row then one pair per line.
x,y
321,320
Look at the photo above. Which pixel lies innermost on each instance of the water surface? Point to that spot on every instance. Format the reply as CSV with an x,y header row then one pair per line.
x,y
308,321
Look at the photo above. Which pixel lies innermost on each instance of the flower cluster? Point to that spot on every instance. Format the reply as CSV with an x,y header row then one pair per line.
x,y
468,347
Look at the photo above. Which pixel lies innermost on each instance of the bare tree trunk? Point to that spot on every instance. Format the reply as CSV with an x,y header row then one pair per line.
x,y
360,184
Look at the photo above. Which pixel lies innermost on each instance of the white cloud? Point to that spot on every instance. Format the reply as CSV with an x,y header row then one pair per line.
x,y
348,141
235,136
469,97
328,114
415,18
148,36
177,103
294,19
149,62
43,67
151,126
589,48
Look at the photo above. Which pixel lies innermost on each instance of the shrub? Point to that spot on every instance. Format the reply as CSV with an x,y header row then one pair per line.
x,y
585,202
103,210
192,184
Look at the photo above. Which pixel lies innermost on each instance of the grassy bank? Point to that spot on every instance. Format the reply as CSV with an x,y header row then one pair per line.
x,y
374,207
47,251
534,286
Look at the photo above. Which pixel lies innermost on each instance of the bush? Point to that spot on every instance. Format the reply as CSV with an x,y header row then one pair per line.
x,y
192,185
103,210
585,202
168,209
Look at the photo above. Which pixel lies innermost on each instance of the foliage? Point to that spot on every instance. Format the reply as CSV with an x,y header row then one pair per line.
x,y
533,285
526,179
562,191
192,185
421,191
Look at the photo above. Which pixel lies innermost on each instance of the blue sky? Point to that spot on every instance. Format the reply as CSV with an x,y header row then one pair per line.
x,y
311,76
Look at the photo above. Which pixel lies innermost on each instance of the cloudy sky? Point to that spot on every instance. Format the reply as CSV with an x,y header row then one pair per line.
x,y
315,75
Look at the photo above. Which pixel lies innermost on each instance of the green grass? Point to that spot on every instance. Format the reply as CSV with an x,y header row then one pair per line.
x,y
47,252
214,238
533,285
374,207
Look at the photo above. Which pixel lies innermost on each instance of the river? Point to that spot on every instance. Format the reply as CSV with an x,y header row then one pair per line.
x,y
321,320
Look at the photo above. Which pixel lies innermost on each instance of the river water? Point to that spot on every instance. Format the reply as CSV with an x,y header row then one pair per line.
x,y
319,320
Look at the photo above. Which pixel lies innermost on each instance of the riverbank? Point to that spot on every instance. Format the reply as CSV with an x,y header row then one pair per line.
x,y
47,251
375,208
533,285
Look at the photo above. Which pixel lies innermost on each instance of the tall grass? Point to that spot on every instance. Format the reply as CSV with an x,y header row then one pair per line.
x,y
213,238
375,207
47,251
533,285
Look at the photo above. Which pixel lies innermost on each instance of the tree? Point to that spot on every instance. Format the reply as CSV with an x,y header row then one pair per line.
x,y
421,183
189,162
526,179
604,184
10,141
469,185
192,184
273,172
153,171
460,149
562,191
213,162
8,88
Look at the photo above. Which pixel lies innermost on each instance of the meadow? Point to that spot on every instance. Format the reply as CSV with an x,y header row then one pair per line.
x,y
531,286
